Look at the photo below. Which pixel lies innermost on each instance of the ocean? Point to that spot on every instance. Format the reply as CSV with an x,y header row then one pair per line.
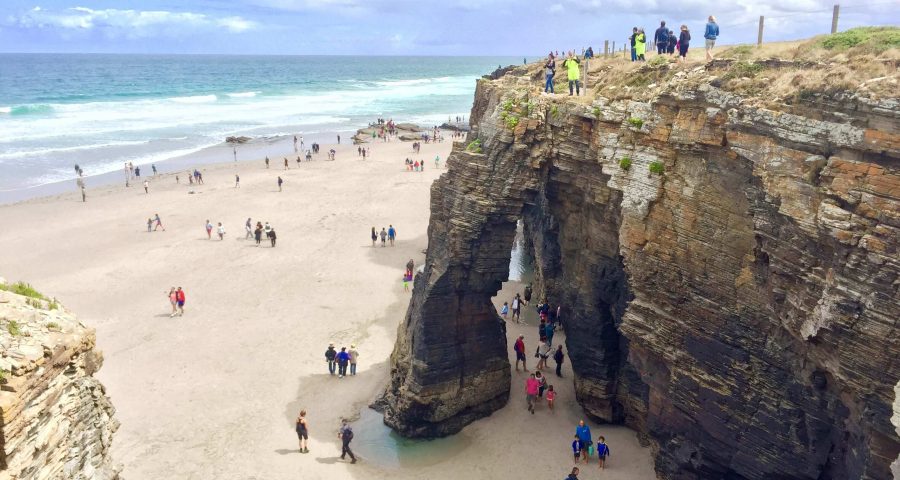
x,y
100,111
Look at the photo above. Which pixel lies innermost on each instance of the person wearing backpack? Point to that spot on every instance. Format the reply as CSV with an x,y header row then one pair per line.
x,y
712,32
346,435
602,451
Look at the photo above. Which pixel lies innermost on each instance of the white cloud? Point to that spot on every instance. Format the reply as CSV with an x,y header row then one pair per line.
x,y
126,23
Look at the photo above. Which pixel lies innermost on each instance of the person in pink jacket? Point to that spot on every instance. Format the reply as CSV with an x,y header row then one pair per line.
x,y
531,391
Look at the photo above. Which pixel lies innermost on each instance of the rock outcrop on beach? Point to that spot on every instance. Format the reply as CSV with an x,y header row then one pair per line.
x,y
727,258
57,422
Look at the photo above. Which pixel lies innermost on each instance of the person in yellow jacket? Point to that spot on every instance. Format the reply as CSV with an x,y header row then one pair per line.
x,y
573,68
640,44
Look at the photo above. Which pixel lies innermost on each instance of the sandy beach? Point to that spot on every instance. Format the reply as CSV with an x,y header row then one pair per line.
x,y
213,394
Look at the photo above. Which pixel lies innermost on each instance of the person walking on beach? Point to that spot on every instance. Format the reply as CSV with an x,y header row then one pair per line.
x,y
257,234
531,391
551,397
149,225
516,308
158,223
237,181
339,139
267,162
602,452
343,359
519,348
330,355
286,166
711,33
383,236
234,151
173,301
577,448
209,229
574,474
354,357
272,236
280,181
374,236
504,310
221,231
146,186
153,167
83,194
584,433
179,298
573,69
249,229
559,357
346,435
392,234
543,351
303,432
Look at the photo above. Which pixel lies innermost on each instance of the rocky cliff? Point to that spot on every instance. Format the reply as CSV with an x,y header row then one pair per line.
x,y
724,242
56,422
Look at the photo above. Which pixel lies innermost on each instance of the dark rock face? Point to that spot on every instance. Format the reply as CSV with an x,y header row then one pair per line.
x,y
738,310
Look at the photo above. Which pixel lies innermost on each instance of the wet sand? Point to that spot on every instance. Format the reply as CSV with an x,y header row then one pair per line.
x,y
213,394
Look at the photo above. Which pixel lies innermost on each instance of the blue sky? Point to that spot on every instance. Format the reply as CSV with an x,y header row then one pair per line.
x,y
397,27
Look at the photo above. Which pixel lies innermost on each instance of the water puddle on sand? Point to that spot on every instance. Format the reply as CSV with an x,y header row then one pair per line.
x,y
377,443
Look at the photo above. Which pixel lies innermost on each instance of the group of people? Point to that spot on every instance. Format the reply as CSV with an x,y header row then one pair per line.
x,y
339,360
573,72
668,43
415,166
345,434
176,300
386,234
583,446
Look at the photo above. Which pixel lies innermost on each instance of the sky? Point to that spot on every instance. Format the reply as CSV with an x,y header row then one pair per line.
x,y
399,27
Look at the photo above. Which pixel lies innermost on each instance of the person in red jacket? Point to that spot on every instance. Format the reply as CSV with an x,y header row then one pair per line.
x,y
519,347
179,297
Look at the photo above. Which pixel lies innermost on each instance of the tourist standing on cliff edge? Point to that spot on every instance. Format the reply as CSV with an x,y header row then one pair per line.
x,y
573,69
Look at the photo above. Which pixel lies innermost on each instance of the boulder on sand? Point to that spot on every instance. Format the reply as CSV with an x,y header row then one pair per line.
x,y
237,139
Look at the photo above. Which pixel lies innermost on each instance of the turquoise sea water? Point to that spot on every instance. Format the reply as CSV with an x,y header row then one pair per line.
x,y
100,111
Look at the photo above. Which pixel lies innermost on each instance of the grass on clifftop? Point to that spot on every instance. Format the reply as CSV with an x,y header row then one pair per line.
x,y
24,289
873,39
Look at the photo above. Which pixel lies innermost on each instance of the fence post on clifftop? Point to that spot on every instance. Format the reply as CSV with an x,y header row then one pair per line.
x,y
759,36
613,51
834,18
606,48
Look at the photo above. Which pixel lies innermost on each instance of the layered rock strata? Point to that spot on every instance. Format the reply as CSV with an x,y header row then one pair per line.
x,y
728,271
57,422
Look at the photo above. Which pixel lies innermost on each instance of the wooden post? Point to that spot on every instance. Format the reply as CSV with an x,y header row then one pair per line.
x,y
614,47
605,48
586,65
834,18
759,36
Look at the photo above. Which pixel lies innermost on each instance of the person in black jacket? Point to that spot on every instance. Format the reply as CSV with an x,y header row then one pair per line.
x,y
558,357
661,37
330,354
684,42
673,40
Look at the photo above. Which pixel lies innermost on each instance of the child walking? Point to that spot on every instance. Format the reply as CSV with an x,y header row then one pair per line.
x,y
602,451
577,448
551,396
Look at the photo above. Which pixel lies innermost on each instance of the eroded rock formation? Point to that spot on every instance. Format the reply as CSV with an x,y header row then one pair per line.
x,y
57,422
738,309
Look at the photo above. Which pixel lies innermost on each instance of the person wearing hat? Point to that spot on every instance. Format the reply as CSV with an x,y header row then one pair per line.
x,y
330,354
519,347
354,355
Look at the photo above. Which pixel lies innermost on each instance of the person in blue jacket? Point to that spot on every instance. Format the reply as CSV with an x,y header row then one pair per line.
x,y
584,434
343,359
712,32
661,38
